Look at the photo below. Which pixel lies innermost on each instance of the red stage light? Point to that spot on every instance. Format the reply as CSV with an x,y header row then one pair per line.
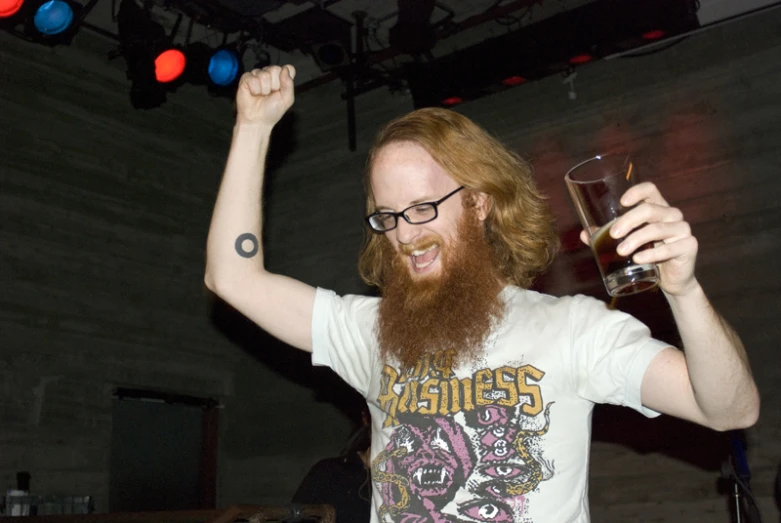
x,y
10,7
580,59
513,81
169,65
656,34
453,100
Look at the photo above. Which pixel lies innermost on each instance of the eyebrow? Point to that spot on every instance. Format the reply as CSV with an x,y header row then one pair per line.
x,y
383,208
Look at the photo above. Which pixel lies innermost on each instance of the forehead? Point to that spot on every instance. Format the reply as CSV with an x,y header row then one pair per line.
x,y
404,173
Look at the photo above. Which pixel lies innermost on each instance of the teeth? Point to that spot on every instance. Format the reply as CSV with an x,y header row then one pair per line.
x,y
422,265
420,252
419,476
417,253
430,476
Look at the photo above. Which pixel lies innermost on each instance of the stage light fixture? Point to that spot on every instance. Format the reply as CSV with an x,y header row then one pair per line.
x,y
581,59
53,17
224,67
656,34
331,55
9,8
169,65
554,45
512,81
218,68
154,66
145,91
43,21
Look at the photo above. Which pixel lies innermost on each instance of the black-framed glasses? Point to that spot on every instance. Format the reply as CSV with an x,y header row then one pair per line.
x,y
384,221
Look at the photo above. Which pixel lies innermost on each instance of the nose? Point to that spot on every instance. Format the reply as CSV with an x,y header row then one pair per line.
x,y
406,233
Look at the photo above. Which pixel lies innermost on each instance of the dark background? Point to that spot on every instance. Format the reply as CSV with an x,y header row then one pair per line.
x,y
105,211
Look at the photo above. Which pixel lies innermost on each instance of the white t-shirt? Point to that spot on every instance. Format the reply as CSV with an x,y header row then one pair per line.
x,y
505,438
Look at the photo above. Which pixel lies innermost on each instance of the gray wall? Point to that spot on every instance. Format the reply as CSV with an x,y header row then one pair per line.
x,y
104,218
105,211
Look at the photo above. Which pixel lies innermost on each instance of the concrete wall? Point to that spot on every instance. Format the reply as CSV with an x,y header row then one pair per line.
x,y
105,211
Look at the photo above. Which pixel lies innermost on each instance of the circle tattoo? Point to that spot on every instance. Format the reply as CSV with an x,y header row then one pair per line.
x,y
247,236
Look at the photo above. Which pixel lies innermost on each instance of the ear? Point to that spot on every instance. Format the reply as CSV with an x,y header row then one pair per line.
x,y
483,204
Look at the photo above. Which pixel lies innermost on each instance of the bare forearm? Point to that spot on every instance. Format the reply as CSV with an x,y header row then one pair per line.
x,y
234,251
234,246
717,363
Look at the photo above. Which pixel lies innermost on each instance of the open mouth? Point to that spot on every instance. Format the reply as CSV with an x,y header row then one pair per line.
x,y
431,481
422,259
430,476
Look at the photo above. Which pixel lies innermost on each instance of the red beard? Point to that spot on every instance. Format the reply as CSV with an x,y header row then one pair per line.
x,y
450,311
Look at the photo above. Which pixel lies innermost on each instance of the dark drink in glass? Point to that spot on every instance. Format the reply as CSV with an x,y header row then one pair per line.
x,y
621,275
596,187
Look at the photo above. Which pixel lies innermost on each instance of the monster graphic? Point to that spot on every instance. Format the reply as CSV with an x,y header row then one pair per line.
x,y
479,462
423,467
508,466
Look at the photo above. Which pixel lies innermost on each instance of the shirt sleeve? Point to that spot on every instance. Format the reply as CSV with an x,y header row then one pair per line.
x,y
343,336
611,351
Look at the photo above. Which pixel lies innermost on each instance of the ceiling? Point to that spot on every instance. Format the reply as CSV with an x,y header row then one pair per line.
x,y
461,22
288,31
469,21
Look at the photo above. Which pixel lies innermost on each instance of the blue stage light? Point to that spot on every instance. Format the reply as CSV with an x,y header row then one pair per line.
x,y
53,17
223,67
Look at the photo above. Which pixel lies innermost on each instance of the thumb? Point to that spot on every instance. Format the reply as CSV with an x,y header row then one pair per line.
x,y
584,236
287,76
286,81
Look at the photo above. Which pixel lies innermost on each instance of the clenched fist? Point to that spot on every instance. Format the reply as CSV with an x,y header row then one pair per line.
x,y
265,94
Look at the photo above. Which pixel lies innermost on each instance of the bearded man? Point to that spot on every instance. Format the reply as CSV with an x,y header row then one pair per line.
x,y
480,391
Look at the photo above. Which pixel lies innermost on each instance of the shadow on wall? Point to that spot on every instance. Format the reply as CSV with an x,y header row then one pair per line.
x,y
687,442
292,364
284,141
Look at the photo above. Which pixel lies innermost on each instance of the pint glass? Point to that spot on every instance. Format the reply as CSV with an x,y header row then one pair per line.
x,y
596,187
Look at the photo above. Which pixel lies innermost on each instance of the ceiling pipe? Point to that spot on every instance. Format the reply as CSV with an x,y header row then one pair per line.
x,y
386,54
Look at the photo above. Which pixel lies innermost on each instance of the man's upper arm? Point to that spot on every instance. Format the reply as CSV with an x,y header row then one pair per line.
x,y
666,387
280,305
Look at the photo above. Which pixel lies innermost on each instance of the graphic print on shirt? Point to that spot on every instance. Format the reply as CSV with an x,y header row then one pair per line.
x,y
461,449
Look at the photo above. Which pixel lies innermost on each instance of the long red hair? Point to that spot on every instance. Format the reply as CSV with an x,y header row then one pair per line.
x,y
520,226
